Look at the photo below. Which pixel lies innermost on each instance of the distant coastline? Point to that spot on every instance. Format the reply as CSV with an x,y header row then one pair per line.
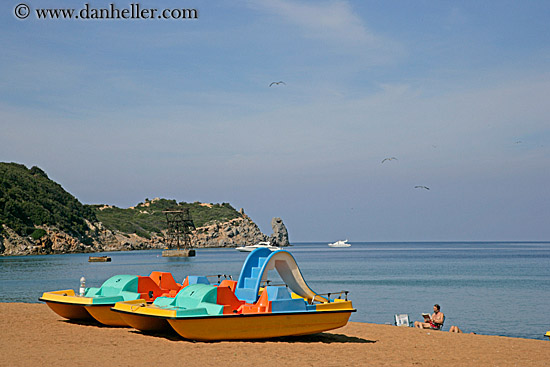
x,y
232,233
38,217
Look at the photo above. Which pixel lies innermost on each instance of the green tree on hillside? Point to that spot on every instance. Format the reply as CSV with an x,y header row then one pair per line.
x,y
28,198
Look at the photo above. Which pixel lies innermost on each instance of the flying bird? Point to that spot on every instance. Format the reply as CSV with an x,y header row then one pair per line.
x,y
389,159
277,83
422,187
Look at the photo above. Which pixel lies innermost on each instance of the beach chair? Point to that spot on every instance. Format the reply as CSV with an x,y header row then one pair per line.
x,y
402,320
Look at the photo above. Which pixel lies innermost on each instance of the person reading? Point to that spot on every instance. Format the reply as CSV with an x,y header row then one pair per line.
x,y
433,321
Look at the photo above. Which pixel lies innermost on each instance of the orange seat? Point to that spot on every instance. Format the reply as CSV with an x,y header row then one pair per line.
x,y
231,284
261,306
227,298
165,280
148,289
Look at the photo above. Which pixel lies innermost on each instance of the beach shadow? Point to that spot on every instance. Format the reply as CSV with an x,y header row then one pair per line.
x,y
93,323
168,334
326,338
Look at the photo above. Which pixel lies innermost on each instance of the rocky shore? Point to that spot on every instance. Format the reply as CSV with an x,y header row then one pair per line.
x,y
236,232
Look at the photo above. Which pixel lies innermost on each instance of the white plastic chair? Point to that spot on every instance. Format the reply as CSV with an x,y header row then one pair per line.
x,y
402,320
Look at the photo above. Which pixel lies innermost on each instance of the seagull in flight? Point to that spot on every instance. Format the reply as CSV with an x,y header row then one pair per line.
x,y
277,83
389,159
422,187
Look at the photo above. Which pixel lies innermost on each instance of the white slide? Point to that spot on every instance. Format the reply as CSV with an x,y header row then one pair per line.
x,y
288,270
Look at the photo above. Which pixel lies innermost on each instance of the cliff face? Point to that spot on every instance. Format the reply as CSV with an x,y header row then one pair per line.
x,y
232,233
54,241
236,232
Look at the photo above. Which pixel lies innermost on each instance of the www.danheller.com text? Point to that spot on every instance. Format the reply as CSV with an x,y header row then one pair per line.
x,y
89,12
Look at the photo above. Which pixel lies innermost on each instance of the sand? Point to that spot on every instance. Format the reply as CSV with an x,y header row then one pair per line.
x,y
33,335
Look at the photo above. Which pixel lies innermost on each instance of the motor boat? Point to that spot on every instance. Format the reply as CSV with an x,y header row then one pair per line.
x,y
251,248
340,244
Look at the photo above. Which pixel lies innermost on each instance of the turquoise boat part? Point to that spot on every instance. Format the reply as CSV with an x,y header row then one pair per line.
x,y
193,300
115,289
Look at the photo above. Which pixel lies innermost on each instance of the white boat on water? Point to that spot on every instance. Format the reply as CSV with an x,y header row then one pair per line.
x,y
340,244
251,248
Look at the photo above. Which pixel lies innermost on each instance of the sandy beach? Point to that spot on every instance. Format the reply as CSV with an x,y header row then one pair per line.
x,y
33,335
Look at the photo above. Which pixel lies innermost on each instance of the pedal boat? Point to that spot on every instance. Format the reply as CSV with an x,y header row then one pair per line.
x,y
243,310
153,317
96,303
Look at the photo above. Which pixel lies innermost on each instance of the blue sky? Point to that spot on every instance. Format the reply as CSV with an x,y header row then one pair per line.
x,y
120,111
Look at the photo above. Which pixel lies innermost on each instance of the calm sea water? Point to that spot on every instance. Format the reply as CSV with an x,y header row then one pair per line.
x,y
491,288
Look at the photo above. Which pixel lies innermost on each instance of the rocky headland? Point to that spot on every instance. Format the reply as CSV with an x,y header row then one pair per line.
x,y
38,217
235,232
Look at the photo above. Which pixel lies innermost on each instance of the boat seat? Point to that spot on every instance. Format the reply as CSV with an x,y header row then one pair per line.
x,y
115,285
165,280
231,284
281,300
164,301
195,279
195,299
227,298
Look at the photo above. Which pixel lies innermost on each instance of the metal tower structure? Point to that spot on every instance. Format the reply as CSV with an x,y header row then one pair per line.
x,y
180,226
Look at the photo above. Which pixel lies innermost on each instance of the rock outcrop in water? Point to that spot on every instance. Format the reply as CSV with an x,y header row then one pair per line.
x,y
280,233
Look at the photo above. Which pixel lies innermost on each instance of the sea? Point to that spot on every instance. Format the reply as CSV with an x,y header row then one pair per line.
x,y
491,288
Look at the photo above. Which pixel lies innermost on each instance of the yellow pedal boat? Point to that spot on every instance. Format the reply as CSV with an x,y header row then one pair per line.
x,y
243,310
96,303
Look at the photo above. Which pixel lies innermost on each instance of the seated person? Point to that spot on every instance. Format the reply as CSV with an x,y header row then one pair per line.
x,y
454,329
435,321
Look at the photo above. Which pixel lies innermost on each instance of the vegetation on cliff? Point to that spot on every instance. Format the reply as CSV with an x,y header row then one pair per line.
x,y
37,216
28,198
147,218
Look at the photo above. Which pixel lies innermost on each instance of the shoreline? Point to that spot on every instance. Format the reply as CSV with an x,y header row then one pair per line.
x,y
542,338
132,250
35,335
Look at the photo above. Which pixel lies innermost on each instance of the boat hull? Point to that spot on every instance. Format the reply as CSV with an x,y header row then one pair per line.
x,y
104,315
66,304
258,326
254,247
143,317
243,249
146,323
340,244
69,311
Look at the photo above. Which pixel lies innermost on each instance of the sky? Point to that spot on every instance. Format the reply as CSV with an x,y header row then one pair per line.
x,y
118,111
